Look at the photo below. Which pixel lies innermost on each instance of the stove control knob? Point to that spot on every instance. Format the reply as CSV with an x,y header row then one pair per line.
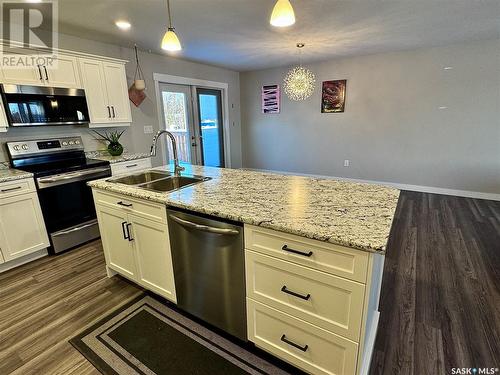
x,y
65,143
24,146
77,142
17,148
71,143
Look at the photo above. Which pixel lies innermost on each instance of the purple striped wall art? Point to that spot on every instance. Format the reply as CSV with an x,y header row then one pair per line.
x,y
271,99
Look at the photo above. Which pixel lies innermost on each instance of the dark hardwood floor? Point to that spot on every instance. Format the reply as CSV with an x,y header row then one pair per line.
x,y
45,303
440,302
440,299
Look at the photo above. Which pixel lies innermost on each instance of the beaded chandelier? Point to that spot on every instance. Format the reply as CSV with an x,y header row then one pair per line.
x,y
299,82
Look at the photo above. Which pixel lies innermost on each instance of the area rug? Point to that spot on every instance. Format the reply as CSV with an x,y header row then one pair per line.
x,y
148,337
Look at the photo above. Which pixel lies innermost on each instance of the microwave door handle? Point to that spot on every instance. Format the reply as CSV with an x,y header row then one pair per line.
x,y
204,228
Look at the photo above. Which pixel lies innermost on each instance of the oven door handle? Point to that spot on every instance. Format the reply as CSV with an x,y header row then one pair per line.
x,y
72,175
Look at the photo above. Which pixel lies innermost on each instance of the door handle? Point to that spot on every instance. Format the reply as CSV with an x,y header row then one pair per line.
x,y
128,231
285,340
40,72
204,228
46,74
125,237
285,290
109,111
286,248
113,109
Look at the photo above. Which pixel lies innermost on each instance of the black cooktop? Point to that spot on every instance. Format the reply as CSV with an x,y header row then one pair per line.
x,y
56,164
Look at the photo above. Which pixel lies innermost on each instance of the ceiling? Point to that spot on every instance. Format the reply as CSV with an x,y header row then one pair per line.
x,y
236,34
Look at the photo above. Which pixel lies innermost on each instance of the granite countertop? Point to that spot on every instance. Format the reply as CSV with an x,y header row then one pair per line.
x,y
10,174
104,155
345,213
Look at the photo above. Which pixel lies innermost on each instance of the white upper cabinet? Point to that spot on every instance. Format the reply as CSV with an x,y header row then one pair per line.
x,y
105,86
95,90
116,84
63,73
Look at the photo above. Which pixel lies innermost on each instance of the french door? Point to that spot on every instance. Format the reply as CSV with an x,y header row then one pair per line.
x,y
194,116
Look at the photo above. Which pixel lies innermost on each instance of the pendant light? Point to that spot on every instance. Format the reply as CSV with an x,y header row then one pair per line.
x,y
299,82
170,42
283,14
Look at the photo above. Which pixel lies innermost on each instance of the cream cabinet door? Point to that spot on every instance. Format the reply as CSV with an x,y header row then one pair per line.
x,y
25,76
64,73
116,85
117,248
22,229
95,90
153,256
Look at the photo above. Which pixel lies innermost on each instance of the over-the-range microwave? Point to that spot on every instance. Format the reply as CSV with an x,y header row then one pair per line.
x,y
38,105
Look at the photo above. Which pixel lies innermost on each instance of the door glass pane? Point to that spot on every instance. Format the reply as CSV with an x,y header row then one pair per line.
x,y
211,128
176,121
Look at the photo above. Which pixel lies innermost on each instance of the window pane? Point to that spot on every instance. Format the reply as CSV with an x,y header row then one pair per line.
x,y
210,130
174,104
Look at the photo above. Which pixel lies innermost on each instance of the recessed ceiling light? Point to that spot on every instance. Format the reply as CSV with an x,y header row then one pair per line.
x,y
123,25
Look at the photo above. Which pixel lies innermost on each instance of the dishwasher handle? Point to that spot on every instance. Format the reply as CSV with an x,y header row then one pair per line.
x,y
204,228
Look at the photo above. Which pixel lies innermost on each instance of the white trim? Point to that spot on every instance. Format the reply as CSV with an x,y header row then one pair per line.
x,y
35,48
23,260
369,344
167,78
420,188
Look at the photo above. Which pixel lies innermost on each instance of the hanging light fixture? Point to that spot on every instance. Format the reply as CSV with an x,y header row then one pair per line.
x,y
170,42
299,81
283,14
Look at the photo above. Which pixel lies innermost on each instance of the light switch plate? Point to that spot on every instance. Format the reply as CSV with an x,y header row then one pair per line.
x,y
346,163
148,129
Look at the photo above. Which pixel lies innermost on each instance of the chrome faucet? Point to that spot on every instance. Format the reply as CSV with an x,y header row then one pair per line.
x,y
177,168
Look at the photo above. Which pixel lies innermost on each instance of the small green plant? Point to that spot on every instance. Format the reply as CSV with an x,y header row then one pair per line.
x,y
114,147
111,137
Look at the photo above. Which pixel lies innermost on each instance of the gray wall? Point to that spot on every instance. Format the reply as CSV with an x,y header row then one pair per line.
x,y
134,138
392,128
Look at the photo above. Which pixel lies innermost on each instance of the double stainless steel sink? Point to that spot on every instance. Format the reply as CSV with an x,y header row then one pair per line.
x,y
158,180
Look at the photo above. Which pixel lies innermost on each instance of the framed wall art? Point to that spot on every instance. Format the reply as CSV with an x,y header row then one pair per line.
x,y
333,96
271,99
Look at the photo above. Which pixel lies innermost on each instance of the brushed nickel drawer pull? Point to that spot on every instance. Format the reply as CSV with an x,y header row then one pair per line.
x,y
131,166
286,248
285,290
11,189
285,340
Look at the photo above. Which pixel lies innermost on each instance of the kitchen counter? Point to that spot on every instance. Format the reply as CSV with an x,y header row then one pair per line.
x,y
10,174
345,213
103,155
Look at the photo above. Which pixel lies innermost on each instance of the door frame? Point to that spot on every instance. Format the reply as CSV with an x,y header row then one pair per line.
x,y
178,80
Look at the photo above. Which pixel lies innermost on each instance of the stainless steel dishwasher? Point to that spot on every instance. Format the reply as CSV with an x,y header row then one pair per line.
x,y
209,270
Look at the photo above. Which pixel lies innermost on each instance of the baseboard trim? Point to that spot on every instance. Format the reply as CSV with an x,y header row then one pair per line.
x,y
23,260
419,188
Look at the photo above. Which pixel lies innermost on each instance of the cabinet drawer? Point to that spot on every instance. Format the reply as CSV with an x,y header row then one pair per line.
x,y
302,344
328,301
15,187
148,210
130,166
338,260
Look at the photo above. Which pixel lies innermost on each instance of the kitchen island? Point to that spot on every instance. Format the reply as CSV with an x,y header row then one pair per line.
x,y
323,238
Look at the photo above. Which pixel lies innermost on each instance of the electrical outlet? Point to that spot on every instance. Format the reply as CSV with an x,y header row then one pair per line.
x,y
148,129
346,163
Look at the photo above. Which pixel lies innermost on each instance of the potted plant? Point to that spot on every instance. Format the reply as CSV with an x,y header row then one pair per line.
x,y
114,146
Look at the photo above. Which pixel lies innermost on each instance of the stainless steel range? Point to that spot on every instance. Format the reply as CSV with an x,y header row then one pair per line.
x,y
61,173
